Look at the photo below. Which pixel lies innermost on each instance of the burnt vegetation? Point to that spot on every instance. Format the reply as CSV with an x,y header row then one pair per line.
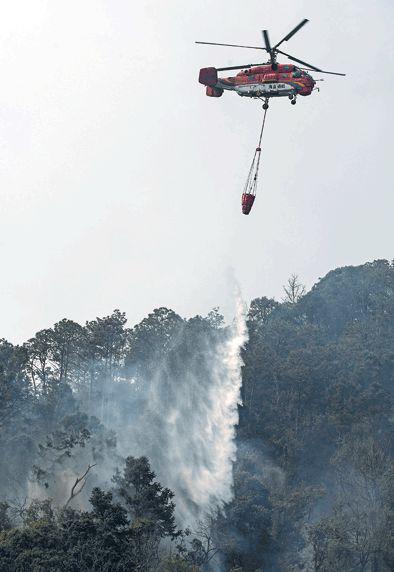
x,y
313,480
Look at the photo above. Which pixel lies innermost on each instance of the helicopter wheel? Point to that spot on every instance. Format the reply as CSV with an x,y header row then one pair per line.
x,y
291,96
293,102
265,105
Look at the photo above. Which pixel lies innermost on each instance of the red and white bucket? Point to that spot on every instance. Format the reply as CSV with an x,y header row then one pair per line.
x,y
247,202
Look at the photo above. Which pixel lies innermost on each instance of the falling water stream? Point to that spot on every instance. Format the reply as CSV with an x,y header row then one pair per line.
x,y
188,427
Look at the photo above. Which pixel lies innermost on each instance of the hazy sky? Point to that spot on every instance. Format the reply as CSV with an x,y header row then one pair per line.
x,y
121,181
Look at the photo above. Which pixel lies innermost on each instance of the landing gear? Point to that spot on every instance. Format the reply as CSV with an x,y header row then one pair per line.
x,y
293,101
265,104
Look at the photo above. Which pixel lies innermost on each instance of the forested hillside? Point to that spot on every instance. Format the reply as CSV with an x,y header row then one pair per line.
x,y
313,476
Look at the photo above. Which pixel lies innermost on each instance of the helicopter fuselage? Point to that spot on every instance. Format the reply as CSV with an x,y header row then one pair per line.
x,y
260,82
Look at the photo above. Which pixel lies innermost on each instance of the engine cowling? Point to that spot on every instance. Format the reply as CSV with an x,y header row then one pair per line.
x,y
214,91
208,76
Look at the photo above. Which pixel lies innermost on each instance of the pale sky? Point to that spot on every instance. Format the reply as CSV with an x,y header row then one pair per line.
x,y
121,181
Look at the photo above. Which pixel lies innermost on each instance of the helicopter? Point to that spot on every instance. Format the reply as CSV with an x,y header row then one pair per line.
x,y
264,80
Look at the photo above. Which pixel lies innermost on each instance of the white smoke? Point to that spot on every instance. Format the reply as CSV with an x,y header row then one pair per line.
x,y
188,427
183,418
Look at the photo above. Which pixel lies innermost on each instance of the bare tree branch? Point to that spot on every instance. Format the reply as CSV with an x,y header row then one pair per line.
x,y
78,480
294,290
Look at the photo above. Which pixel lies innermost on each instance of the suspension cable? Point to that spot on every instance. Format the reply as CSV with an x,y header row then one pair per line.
x,y
251,181
262,127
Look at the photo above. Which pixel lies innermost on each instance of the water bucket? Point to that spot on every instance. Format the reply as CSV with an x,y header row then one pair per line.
x,y
247,202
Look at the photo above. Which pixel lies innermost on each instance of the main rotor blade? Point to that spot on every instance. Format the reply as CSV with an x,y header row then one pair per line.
x,y
322,71
312,68
268,47
231,45
267,41
293,31
299,61
239,67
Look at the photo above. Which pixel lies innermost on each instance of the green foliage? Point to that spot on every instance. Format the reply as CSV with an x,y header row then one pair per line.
x,y
243,531
356,533
70,541
5,521
151,340
149,506
111,536
146,500
316,370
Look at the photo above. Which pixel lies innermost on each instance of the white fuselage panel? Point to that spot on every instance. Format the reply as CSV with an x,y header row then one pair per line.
x,y
265,89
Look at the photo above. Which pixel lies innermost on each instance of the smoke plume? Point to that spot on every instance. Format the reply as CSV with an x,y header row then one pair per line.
x,y
187,425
